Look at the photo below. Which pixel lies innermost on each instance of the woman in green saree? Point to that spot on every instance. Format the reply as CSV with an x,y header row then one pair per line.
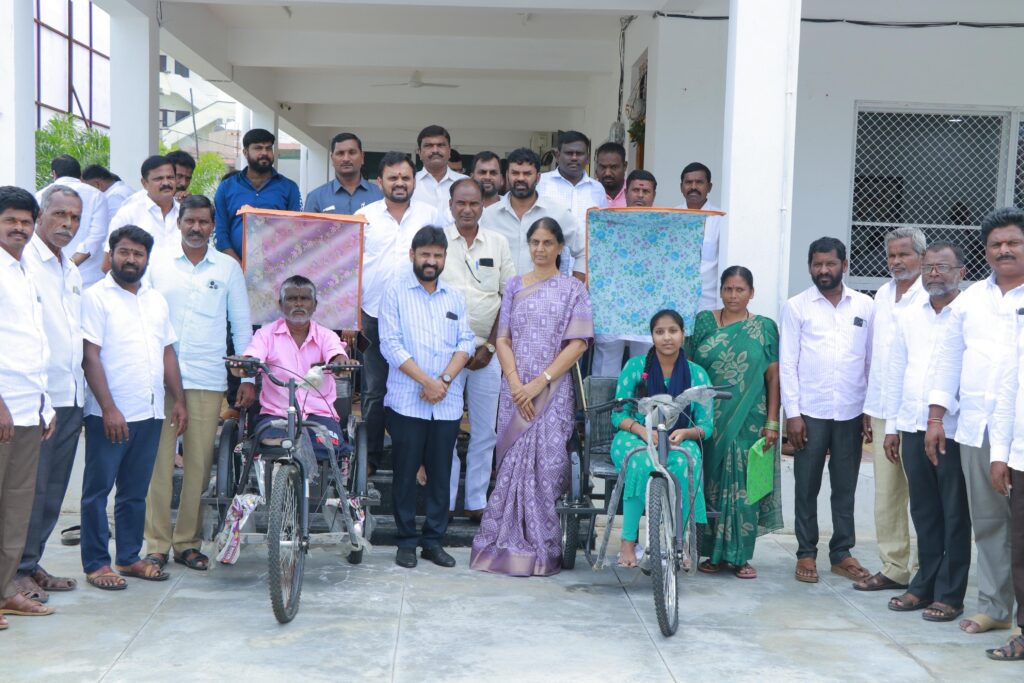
x,y
740,350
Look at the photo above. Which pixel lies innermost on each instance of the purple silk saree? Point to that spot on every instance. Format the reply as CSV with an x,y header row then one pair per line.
x,y
520,534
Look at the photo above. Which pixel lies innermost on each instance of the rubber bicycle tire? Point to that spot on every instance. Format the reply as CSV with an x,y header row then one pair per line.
x,y
285,520
226,458
662,557
570,539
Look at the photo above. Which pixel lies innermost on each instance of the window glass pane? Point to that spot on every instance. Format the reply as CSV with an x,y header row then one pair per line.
x,y
101,90
53,69
45,115
80,80
54,13
80,20
100,31
180,69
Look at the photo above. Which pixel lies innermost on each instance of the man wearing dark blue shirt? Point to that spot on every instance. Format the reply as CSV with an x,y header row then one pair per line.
x,y
349,191
259,185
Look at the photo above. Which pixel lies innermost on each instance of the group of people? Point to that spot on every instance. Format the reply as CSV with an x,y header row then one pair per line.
x,y
927,375
474,296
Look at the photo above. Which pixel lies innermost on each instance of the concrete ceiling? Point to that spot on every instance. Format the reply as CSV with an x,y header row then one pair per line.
x,y
537,65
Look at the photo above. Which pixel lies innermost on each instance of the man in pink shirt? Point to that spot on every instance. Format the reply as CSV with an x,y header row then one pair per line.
x,y
611,172
291,346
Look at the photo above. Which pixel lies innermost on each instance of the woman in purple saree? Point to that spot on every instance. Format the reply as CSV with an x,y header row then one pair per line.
x,y
544,326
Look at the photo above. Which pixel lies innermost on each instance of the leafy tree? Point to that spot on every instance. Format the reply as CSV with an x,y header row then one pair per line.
x,y
63,134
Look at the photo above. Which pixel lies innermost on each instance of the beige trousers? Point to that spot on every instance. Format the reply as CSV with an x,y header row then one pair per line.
x,y
203,418
892,517
18,460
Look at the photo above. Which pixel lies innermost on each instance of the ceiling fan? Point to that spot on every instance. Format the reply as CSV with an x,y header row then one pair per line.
x,y
416,81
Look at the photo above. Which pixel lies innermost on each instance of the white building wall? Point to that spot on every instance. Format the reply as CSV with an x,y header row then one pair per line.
x,y
840,65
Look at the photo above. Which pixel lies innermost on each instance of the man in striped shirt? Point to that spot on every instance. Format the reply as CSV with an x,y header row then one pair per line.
x,y
426,339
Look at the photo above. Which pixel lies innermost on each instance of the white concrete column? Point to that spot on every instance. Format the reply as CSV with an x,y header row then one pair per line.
x,y
314,169
134,86
17,95
760,120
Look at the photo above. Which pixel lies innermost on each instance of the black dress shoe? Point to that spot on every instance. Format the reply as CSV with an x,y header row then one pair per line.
x,y
438,556
406,557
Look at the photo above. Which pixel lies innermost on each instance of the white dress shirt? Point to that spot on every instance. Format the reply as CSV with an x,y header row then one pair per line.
x,y
882,331
586,194
386,244
710,285
1006,431
480,272
92,230
501,218
132,331
142,211
26,353
825,354
117,194
437,193
916,332
201,298
59,286
969,361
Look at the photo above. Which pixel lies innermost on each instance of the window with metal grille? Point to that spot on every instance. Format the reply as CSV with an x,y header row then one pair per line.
x,y
935,170
1018,195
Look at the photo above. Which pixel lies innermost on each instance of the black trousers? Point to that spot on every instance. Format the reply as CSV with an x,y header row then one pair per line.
x,y
374,387
842,440
1017,540
429,443
942,520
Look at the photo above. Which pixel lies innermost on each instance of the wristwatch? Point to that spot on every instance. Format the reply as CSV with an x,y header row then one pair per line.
x,y
489,346
446,378
547,376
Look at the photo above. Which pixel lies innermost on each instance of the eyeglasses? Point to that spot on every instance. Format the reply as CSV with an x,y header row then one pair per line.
x,y
940,268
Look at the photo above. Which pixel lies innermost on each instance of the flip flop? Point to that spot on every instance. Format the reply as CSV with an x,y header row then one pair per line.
x,y
945,612
878,582
806,578
134,571
51,583
71,536
751,573
899,603
851,569
94,580
193,559
37,608
708,568
1013,651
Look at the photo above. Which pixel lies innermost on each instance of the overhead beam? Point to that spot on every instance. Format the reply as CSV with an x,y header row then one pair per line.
x,y
277,47
602,6
450,116
327,87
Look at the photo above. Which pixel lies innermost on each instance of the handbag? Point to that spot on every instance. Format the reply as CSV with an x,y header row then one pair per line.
x,y
760,471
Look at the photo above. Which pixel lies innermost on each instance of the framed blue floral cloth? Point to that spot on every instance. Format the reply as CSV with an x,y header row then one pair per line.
x,y
640,261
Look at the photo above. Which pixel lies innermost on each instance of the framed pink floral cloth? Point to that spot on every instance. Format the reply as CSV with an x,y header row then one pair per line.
x,y
326,248
640,261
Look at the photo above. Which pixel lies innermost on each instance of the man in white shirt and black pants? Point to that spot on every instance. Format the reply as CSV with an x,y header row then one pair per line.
x,y
823,364
969,365
59,286
26,416
204,289
938,494
904,249
129,360
393,221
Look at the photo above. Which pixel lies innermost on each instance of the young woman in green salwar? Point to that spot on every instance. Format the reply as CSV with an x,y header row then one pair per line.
x,y
740,350
664,370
